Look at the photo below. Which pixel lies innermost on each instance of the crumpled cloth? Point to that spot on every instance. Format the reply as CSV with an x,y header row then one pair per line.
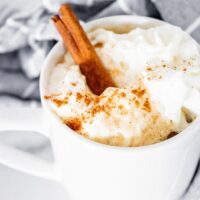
x,y
27,35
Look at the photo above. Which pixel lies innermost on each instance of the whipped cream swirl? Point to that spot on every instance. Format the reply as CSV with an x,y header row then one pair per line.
x,y
157,72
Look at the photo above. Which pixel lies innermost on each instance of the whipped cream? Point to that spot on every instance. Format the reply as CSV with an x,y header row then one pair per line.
x,y
157,72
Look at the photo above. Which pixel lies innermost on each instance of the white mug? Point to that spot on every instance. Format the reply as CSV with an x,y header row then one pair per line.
x,y
93,171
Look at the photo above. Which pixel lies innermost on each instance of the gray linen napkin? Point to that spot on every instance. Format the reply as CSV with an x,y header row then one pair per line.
x,y
26,36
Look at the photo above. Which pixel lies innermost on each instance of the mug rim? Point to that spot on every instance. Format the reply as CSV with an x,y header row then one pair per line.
x,y
183,135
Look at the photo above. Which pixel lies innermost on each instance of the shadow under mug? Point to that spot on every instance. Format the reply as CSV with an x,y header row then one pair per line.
x,y
93,171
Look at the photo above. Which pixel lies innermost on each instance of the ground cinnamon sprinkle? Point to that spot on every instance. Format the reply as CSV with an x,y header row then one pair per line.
x,y
97,109
87,100
138,92
149,69
74,124
120,107
79,96
73,83
184,69
137,103
58,102
98,45
123,94
147,106
47,97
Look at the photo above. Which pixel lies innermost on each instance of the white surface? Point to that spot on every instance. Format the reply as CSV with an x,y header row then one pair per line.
x,y
16,185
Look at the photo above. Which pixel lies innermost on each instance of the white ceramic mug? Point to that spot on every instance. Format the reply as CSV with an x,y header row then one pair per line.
x,y
93,171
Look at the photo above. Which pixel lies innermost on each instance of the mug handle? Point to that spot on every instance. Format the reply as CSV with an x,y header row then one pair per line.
x,y
24,119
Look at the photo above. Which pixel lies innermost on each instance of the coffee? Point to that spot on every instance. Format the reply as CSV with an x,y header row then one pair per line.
x,y
157,74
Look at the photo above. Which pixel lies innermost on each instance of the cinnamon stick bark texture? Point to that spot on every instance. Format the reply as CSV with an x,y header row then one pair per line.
x,y
82,51
67,39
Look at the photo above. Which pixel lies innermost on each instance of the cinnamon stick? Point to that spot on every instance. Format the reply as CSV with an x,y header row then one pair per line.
x,y
68,39
82,51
